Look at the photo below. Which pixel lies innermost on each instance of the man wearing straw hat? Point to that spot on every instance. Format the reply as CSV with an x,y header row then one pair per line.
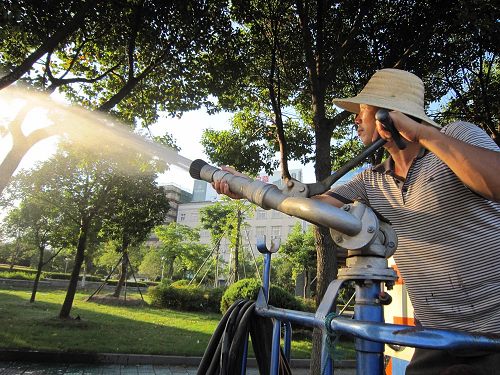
x,y
441,194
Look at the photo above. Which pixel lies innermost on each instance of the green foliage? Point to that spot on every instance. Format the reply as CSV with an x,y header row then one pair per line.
x,y
179,249
180,283
300,249
18,275
249,289
309,304
345,294
251,144
184,297
4,268
151,264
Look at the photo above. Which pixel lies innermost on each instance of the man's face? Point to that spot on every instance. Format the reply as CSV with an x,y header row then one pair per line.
x,y
365,124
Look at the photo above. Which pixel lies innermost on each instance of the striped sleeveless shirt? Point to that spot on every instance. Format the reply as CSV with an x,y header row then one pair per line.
x,y
449,237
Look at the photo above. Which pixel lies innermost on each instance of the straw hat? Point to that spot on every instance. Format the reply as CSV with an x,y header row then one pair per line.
x,y
392,89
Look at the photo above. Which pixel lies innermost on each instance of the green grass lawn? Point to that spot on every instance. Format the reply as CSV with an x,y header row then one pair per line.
x,y
104,328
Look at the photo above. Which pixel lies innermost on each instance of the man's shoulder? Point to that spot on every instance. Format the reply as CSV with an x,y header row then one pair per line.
x,y
470,133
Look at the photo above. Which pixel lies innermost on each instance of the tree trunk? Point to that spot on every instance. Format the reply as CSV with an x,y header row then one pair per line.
x,y
237,247
123,275
170,269
306,282
327,271
41,250
326,258
73,282
20,145
216,281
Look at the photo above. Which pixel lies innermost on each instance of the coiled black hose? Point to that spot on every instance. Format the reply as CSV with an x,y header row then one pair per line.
x,y
224,352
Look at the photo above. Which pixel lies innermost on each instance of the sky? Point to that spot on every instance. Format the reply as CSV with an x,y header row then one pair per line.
x,y
187,132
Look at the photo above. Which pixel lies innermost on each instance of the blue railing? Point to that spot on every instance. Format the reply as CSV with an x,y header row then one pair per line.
x,y
368,327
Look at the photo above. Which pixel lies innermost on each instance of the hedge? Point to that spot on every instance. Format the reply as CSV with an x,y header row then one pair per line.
x,y
18,275
249,289
186,298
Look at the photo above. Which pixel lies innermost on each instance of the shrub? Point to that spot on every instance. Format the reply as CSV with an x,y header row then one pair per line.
x,y
214,297
58,275
185,298
249,289
180,283
309,304
18,269
19,275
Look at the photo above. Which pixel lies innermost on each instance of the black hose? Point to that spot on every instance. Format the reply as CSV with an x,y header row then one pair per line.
x,y
224,353
215,340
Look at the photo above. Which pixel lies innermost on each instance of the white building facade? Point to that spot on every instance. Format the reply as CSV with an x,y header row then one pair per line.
x,y
272,224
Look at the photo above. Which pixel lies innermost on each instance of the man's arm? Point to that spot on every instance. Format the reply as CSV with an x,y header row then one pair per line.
x,y
478,168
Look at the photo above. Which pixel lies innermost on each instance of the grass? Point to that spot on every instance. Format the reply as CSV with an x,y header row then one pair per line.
x,y
104,328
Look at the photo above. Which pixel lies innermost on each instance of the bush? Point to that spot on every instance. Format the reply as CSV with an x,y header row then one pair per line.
x,y
309,304
185,298
26,270
249,289
180,283
19,275
214,297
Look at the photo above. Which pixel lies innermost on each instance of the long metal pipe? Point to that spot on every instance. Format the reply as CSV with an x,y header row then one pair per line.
x,y
389,333
415,336
269,196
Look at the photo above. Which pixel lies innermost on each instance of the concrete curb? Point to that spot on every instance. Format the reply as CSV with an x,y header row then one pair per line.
x,y
130,359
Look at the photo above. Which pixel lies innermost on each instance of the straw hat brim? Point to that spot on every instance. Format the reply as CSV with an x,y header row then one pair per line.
x,y
352,105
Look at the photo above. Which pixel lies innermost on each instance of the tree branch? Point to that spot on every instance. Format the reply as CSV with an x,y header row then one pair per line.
x,y
49,44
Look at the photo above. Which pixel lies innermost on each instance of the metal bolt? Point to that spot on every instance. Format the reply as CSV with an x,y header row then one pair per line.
x,y
289,183
302,189
339,239
346,207
371,229
391,244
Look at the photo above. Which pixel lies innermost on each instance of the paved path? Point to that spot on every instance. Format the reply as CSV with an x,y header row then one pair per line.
x,y
32,368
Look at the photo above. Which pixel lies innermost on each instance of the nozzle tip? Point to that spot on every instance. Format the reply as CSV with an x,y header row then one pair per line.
x,y
195,168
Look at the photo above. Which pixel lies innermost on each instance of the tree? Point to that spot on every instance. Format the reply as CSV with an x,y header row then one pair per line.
x,y
139,205
299,249
214,219
83,187
41,228
151,265
470,74
133,59
227,219
179,243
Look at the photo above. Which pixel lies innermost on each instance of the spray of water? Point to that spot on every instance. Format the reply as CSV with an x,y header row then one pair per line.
x,y
25,114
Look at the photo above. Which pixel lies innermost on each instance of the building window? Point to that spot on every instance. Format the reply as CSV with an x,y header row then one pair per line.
x,y
260,215
275,233
276,214
260,232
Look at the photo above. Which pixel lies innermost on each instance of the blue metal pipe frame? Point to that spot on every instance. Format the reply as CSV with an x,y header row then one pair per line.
x,y
368,328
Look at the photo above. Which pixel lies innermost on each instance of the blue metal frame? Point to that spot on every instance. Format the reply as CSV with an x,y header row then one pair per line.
x,y
368,327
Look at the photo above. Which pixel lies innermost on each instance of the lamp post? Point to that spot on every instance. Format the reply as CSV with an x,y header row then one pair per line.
x,y
66,261
162,267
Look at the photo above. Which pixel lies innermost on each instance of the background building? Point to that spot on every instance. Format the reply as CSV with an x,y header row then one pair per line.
x,y
176,196
272,224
